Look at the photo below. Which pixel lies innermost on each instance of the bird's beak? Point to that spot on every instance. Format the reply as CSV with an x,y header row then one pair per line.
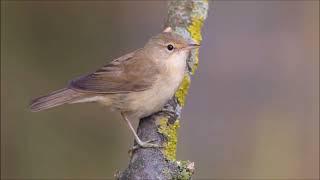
x,y
192,46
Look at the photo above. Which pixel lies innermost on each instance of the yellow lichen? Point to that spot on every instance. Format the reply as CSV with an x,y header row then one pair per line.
x,y
183,90
195,28
196,61
170,132
195,32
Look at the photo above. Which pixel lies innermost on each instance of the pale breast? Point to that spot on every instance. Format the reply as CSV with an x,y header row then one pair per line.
x,y
149,101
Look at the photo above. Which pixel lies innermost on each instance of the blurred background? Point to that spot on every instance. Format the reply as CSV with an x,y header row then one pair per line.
x,y
252,111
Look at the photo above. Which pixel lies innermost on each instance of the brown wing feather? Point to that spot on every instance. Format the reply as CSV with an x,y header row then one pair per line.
x,y
129,73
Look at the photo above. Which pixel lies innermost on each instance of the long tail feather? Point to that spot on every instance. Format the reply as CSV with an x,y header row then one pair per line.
x,y
54,99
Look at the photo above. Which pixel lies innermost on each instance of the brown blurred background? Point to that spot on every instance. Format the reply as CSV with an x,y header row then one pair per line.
x,y
252,111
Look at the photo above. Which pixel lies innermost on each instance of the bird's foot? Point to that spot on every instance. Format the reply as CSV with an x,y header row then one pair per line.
x,y
145,144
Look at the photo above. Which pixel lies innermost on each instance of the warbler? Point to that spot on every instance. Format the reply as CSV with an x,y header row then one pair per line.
x,y
137,84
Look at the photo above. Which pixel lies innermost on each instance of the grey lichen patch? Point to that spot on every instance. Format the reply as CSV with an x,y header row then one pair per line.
x,y
167,172
186,170
184,33
170,133
200,8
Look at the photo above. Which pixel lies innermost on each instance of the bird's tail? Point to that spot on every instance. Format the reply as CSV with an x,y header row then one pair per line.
x,y
54,99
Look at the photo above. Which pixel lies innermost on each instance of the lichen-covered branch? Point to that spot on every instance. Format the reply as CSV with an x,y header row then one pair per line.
x,y
186,18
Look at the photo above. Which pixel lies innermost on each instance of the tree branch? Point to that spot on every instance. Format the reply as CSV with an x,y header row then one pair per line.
x,y
185,18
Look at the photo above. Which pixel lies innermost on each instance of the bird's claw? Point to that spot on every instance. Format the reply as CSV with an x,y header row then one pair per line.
x,y
145,144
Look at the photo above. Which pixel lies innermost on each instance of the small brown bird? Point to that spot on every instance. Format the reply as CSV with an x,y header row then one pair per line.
x,y
136,84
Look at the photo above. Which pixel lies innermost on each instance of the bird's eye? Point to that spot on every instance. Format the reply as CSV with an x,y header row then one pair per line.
x,y
170,47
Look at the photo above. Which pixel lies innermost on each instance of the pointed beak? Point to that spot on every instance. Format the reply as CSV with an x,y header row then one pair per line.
x,y
192,46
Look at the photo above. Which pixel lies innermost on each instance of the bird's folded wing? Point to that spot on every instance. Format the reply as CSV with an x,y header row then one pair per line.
x,y
130,73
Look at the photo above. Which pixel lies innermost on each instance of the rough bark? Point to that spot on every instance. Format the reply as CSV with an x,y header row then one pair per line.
x,y
186,18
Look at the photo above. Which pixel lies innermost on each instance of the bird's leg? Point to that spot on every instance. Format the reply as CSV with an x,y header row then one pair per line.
x,y
143,144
